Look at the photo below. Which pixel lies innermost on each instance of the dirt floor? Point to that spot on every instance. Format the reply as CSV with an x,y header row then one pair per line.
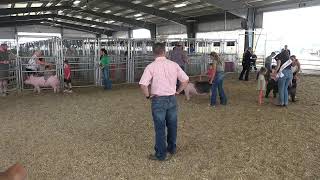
x,y
96,134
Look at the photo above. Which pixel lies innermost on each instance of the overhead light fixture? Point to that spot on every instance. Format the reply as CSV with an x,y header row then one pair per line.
x,y
93,26
9,5
59,4
136,2
77,2
49,4
33,13
109,22
36,4
180,5
140,18
107,11
79,16
88,18
60,12
41,22
21,5
163,8
95,9
137,15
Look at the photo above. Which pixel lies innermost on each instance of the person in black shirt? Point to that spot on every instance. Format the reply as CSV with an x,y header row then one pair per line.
x,y
286,49
254,62
246,62
285,78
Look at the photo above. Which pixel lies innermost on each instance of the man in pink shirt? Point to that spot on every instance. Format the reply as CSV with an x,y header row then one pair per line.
x,y
162,75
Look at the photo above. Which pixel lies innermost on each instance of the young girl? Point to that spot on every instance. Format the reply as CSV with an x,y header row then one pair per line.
x,y
272,83
261,84
210,72
296,68
67,76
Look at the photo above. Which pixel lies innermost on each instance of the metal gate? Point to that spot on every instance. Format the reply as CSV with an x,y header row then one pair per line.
x,y
82,56
45,51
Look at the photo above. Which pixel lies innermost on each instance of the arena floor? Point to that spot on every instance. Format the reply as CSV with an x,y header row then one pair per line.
x,y
94,134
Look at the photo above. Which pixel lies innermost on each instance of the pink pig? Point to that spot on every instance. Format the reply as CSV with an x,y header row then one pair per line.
x,y
38,82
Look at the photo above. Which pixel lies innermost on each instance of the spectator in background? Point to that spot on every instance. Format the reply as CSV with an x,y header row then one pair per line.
x,y
33,63
246,62
192,50
104,63
4,69
286,49
179,56
268,61
254,62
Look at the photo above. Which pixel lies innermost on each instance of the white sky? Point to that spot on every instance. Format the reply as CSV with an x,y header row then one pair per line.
x,y
298,28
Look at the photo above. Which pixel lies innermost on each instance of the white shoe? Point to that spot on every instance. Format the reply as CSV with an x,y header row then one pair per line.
x,y
70,91
65,91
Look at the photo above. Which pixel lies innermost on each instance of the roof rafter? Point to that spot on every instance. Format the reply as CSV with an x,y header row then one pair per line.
x,y
63,24
132,22
54,16
237,8
174,17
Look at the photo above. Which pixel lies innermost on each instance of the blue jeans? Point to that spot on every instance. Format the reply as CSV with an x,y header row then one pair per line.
x,y
218,85
283,84
106,81
164,113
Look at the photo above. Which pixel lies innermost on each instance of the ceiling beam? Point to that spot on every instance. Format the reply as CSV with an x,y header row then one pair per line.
x,y
63,24
238,8
16,1
109,26
177,18
136,23
132,22
54,16
95,30
9,11
293,4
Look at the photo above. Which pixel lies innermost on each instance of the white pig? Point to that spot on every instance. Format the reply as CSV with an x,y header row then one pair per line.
x,y
38,82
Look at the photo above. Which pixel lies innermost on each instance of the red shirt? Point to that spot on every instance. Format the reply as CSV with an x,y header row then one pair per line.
x,y
67,71
210,73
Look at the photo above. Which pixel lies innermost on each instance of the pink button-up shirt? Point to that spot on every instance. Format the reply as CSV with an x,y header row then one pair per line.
x,y
162,74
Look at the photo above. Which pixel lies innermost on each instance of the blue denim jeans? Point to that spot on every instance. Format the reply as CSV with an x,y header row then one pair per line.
x,y
217,85
106,81
283,84
164,113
